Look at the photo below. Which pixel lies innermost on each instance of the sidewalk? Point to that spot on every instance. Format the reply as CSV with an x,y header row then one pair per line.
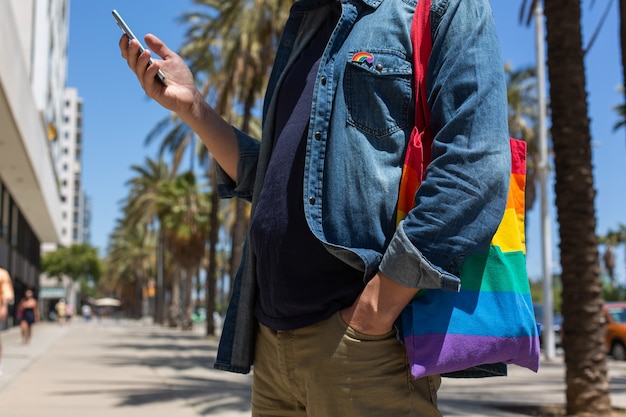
x,y
133,369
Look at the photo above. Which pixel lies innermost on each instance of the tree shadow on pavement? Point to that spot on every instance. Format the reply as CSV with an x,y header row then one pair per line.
x,y
207,396
183,366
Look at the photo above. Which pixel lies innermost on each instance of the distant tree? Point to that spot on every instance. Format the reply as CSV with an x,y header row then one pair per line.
x,y
80,262
142,208
130,262
184,208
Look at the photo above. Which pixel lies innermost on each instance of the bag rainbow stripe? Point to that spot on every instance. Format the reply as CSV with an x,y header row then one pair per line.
x,y
491,319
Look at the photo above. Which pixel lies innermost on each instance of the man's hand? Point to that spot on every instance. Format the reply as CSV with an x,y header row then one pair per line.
x,y
4,310
179,93
378,306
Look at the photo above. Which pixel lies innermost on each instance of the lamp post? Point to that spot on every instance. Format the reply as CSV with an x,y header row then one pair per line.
x,y
546,242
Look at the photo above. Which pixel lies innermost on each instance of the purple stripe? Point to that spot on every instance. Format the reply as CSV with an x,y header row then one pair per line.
x,y
436,354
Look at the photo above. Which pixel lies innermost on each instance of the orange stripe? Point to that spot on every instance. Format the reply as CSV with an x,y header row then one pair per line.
x,y
516,190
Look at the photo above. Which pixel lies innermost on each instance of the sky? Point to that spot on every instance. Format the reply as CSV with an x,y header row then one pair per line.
x,y
117,116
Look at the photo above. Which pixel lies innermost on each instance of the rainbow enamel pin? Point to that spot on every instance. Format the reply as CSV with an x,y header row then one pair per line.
x,y
363,57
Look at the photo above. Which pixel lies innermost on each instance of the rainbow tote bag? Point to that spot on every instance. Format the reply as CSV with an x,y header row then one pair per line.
x,y
490,321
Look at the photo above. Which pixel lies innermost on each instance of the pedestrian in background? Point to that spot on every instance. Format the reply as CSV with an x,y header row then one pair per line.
x,y
86,312
60,308
69,312
6,298
29,315
326,270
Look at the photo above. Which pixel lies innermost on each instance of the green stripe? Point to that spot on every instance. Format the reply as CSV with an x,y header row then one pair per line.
x,y
495,271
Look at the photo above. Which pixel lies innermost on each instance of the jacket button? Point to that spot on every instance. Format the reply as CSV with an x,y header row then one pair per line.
x,y
318,135
323,80
311,200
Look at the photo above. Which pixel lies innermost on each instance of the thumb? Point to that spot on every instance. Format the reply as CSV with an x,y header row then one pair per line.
x,y
157,46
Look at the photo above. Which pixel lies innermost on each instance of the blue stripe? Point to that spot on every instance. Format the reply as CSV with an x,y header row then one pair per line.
x,y
444,312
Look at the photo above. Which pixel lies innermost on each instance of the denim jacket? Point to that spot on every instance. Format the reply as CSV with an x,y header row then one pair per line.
x,y
361,118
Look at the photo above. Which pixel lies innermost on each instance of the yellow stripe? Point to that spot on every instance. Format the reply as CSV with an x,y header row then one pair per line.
x,y
509,237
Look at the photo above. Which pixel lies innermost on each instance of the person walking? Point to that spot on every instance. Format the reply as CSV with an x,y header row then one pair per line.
x,y
86,313
326,270
61,308
6,298
28,315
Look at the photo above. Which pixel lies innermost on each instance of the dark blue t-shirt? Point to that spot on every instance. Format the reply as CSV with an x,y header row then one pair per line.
x,y
300,282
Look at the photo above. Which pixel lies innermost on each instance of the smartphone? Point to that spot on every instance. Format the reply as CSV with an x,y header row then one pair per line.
x,y
126,29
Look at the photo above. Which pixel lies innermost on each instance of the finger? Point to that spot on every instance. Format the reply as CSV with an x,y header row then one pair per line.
x,y
157,46
150,75
141,66
132,52
123,43
138,58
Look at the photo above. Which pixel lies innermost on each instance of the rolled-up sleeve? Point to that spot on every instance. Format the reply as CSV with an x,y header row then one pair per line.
x,y
246,170
460,203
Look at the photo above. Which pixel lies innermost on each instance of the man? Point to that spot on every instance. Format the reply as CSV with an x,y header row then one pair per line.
x,y
326,272
6,298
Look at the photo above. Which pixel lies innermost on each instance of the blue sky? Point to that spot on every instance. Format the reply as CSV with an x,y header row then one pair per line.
x,y
118,116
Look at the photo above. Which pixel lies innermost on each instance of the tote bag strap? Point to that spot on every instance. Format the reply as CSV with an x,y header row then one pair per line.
x,y
418,150
421,39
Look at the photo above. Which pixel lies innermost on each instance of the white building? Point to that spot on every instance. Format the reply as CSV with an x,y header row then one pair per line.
x,y
69,162
33,33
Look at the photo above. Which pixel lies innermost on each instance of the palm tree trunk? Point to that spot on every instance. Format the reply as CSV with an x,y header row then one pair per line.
x,y
174,310
159,308
211,272
587,391
186,304
138,307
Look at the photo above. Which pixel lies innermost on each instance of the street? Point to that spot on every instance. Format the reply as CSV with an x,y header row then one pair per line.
x,y
132,368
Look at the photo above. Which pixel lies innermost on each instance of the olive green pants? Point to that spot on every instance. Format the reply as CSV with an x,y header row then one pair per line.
x,y
330,370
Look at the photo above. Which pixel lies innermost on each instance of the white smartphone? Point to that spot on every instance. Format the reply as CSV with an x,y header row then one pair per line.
x,y
126,29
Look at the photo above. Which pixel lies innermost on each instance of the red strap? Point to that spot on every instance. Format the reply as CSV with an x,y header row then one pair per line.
x,y
421,39
418,151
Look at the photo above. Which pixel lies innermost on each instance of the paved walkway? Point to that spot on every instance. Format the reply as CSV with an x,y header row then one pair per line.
x,y
133,369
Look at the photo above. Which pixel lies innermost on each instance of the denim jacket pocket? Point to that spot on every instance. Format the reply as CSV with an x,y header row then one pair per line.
x,y
378,91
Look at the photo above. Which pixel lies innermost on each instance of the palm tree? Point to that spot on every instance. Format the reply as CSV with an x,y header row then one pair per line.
x,y
184,209
131,260
587,391
142,208
230,47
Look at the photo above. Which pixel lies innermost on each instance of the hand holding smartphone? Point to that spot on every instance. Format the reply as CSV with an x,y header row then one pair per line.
x,y
126,29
